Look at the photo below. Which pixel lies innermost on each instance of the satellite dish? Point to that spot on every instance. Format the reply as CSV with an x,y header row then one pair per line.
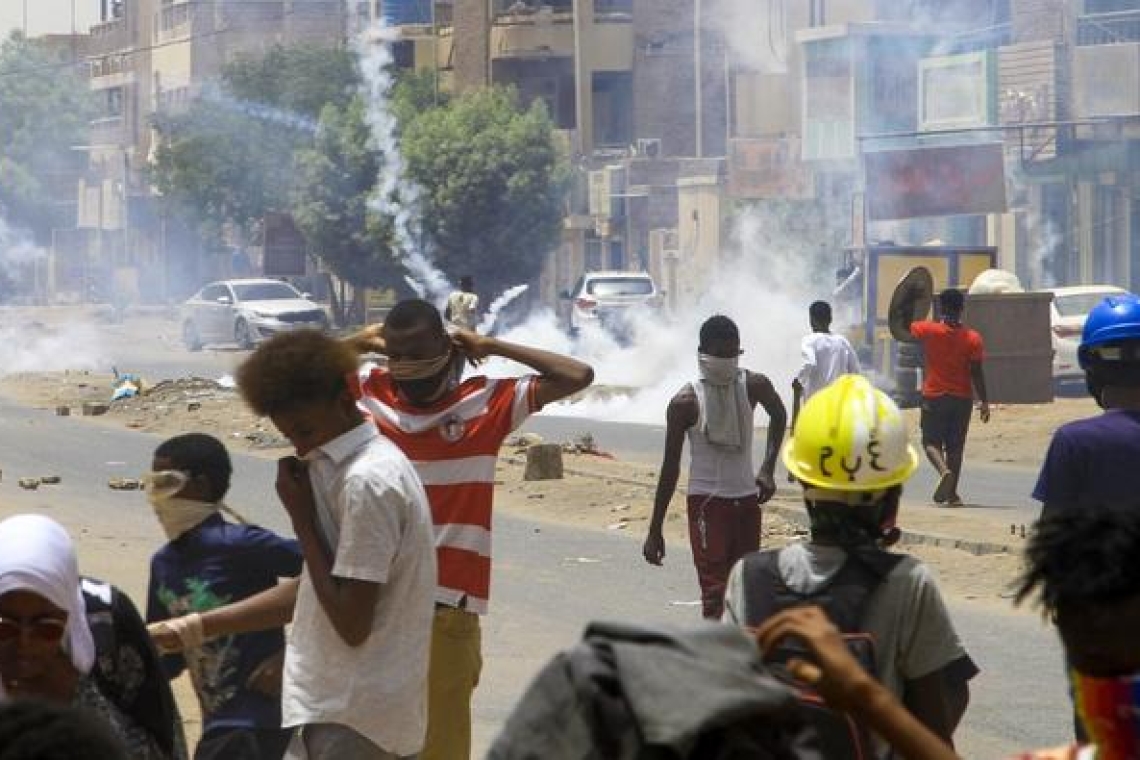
x,y
911,300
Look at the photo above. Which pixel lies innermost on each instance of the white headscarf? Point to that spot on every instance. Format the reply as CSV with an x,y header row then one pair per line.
x,y
37,555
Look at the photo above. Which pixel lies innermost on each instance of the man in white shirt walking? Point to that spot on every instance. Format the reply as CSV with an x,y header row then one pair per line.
x,y
463,305
826,357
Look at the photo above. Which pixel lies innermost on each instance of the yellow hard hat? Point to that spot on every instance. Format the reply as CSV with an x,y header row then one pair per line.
x,y
850,436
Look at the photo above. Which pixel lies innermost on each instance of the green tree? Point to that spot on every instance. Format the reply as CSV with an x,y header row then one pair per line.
x,y
334,181
493,181
228,159
45,109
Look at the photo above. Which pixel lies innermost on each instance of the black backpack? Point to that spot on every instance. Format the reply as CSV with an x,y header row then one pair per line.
x,y
844,598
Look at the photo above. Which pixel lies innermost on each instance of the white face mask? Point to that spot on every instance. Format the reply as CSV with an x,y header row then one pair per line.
x,y
174,514
716,370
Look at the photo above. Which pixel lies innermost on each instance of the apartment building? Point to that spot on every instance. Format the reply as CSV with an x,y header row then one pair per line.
x,y
149,56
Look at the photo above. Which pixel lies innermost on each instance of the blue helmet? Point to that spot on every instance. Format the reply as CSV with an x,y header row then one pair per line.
x,y
1115,320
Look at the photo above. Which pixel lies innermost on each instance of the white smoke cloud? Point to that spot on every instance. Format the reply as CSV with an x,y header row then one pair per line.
x,y
17,248
27,345
765,282
756,32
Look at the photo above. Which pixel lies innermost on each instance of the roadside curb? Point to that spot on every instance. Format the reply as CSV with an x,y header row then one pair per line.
x,y
797,515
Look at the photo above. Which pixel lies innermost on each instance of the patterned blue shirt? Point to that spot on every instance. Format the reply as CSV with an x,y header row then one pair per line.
x,y
211,565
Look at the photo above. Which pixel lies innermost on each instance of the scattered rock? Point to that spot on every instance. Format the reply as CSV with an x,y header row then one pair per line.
x,y
536,496
50,480
124,484
193,406
63,411
29,484
543,462
94,408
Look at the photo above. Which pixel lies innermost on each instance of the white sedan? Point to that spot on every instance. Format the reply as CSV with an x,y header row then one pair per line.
x,y
245,312
1070,307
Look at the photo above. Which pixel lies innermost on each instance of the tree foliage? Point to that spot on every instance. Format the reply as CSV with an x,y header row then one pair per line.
x,y
228,158
45,109
492,181
334,181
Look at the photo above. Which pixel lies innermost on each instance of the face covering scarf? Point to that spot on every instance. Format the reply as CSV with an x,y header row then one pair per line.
x,y
419,369
717,394
179,515
1109,709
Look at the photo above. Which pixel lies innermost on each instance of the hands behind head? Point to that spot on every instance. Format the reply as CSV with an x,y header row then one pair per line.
x,y
370,340
835,673
472,345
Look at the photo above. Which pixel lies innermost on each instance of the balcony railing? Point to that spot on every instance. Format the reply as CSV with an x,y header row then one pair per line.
x,y
1108,28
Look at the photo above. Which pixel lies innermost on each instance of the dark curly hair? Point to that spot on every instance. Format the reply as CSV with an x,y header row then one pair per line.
x,y
412,313
200,454
718,327
1085,557
295,368
36,730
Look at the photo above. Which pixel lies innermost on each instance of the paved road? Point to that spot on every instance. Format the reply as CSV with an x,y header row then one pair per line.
x,y
549,581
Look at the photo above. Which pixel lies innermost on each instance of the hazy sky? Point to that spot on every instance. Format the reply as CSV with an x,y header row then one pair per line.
x,y
46,16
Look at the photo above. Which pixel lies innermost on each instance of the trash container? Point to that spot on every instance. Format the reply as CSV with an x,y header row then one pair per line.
x,y
1019,345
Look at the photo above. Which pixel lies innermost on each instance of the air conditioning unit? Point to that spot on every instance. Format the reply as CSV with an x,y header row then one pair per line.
x,y
648,147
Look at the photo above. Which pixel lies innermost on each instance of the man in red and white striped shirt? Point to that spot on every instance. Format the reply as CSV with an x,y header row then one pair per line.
x,y
451,431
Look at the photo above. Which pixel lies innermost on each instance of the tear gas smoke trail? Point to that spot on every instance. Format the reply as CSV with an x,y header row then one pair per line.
x,y
396,195
498,305
260,111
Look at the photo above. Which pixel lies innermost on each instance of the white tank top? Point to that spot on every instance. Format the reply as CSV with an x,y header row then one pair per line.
x,y
722,471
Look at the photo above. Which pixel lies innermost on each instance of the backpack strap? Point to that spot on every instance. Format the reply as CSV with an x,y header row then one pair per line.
x,y
844,595
762,585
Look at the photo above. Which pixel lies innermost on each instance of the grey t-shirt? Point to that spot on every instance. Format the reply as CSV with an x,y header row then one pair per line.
x,y
914,636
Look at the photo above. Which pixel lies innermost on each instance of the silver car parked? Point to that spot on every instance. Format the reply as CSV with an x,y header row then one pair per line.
x,y
245,312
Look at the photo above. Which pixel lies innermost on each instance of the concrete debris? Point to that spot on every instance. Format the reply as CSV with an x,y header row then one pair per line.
x,y
525,441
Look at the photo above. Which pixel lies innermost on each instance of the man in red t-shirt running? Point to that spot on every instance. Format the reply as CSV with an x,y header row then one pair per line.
x,y
953,372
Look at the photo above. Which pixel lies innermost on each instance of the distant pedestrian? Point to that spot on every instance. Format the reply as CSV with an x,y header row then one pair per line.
x,y
209,562
826,356
952,377
463,305
356,663
725,490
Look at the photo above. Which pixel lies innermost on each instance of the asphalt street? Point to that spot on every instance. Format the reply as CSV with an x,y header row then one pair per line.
x,y
549,581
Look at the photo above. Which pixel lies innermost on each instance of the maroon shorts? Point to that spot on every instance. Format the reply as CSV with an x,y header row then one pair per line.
x,y
721,531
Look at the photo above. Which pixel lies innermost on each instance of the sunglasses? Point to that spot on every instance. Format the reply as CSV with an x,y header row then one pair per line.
x,y
43,630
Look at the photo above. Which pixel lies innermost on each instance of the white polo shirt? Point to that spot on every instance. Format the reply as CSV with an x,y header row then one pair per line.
x,y
376,515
